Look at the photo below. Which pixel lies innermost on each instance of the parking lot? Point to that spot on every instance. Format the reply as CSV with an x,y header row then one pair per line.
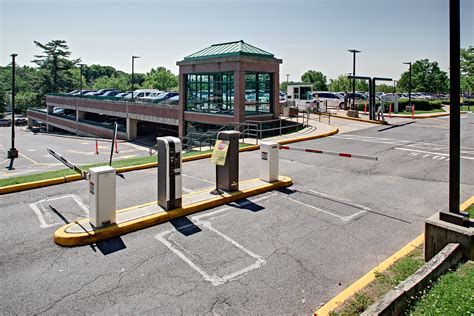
x,y
34,158
286,251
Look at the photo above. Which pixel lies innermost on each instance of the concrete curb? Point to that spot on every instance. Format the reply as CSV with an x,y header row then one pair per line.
x,y
371,275
44,183
80,239
417,117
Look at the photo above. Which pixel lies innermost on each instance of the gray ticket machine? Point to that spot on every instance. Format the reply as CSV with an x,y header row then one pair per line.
x,y
169,172
228,174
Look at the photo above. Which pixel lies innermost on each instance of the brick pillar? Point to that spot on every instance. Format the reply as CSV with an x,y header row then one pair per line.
x,y
79,115
276,94
182,105
239,96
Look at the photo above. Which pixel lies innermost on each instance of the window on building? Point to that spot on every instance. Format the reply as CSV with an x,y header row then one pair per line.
x,y
210,93
258,93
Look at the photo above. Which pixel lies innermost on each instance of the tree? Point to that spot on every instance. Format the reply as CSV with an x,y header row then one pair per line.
x,y
426,77
384,88
92,72
344,84
317,78
55,66
467,70
25,100
161,79
120,82
3,103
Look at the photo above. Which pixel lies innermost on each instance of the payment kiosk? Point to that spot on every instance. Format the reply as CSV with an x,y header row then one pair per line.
x,y
102,196
226,159
269,155
169,172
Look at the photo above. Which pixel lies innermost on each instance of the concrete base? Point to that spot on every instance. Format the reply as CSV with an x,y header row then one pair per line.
x,y
353,113
439,233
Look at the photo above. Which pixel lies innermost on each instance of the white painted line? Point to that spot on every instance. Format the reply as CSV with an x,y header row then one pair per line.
x,y
431,153
197,219
34,162
37,205
6,160
187,190
335,199
198,178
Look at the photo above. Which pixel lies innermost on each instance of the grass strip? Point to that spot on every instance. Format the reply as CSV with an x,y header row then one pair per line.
x,y
116,164
383,282
451,294
470,210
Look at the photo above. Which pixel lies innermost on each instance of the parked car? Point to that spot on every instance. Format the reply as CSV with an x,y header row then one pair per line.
x,y
78,92
5,122
90,93
173,100
21,121
102,91
121,95
73,91
110,93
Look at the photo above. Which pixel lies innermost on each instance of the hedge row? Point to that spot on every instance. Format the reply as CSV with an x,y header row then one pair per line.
x,y
420,105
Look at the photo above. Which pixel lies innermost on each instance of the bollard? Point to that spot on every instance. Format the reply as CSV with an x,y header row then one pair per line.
x,y
96,146
102,196
365,108
116,146
269,156
413,111
170,189
390,110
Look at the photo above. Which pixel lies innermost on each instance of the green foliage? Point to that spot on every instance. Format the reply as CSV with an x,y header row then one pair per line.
x,y
161,79
3,103
426,77
55,66
467,70
25,100
120,82
317,78
452,294
384,88
343,84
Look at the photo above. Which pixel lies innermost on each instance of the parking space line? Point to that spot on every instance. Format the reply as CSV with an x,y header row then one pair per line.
x,y
6,160
198,178
197,220
36,208
431,153
24,156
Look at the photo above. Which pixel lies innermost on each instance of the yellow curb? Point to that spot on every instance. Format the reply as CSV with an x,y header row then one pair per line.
x,y
44,183
370,276
84,238
359,119
424,116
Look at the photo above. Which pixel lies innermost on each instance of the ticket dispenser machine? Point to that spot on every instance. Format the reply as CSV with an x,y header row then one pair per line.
x,y
228,174
269,155
169,172
102,196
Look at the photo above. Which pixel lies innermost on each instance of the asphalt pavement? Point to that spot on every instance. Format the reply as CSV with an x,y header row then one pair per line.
x,y
286,251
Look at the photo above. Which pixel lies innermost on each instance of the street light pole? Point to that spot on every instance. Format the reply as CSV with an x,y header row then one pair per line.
x,y
133,69
409,84
354,52
81,65
13,152
287,80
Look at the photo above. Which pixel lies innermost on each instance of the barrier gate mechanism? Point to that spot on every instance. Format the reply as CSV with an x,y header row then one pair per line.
x,y
170,190
269,158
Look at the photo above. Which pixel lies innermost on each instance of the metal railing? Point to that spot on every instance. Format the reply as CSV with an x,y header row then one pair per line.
x,y
114,99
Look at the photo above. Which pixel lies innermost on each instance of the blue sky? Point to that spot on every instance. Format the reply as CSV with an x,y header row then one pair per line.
x,y
305,34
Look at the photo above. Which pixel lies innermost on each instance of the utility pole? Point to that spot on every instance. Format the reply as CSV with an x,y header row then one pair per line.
x,y
409,84
81,65
133,69
454,215
13,152
354,52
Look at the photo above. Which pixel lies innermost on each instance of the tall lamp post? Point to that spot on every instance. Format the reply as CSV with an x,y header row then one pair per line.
x,y
13,152
409,83
133,70
81,65
354,52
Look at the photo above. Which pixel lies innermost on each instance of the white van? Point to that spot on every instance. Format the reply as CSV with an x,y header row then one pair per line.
x,y
330,100
301,95
141,93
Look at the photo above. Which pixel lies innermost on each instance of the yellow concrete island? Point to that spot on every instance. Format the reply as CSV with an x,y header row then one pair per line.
x,y
80,232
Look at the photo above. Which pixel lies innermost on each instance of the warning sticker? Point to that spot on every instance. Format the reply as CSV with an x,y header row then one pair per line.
x,y
219,153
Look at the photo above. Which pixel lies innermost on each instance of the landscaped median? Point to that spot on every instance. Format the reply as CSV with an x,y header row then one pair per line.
x,y
44,179
79,233
376,283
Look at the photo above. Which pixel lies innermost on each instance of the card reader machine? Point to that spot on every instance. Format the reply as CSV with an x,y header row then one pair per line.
x,y
169,172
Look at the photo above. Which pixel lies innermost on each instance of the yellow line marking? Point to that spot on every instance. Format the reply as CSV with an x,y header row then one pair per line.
x,y
370,276
24,156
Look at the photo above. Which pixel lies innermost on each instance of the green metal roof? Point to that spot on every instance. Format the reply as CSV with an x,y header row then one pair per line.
x,y
237,48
